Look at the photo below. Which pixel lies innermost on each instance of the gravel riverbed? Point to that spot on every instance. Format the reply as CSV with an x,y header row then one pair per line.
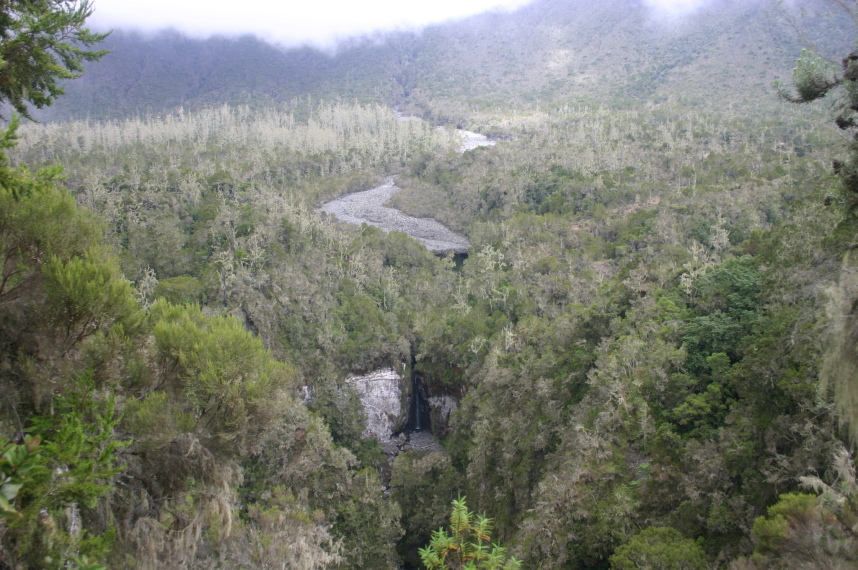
x,y
368,207
472,140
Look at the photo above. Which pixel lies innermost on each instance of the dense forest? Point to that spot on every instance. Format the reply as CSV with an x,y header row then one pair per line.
x,y
646,359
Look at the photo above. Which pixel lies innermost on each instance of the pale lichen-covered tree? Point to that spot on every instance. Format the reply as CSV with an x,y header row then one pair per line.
x,y
814,79
803,530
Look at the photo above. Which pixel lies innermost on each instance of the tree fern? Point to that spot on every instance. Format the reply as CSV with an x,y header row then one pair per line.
x,y
468,546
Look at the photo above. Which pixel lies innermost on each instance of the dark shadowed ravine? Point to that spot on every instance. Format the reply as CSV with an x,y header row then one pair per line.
x,y
367,207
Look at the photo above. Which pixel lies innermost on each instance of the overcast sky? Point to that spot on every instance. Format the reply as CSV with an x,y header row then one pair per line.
x,y
292,22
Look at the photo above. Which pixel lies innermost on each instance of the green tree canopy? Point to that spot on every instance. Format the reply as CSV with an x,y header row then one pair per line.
x,y
659,548
41,43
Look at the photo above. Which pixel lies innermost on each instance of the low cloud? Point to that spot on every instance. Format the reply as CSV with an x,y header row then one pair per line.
x,y
675,8
317,22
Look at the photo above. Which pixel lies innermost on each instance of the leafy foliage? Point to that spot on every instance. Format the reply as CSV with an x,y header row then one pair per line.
x,y
18,465
812,77
221,369
84,295
67,475
466,546
41,44
659,547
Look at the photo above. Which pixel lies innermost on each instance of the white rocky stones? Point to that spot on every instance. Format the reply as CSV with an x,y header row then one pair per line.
x,y
472,140
380,393
368,207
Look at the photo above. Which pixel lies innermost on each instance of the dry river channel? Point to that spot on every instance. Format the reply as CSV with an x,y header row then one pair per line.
x,y
367,207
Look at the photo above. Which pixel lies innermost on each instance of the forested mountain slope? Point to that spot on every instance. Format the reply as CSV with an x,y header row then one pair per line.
x,y
589,51
153,74
727,53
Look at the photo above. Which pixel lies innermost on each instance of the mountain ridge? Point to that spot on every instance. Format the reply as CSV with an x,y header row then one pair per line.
x,y
547,51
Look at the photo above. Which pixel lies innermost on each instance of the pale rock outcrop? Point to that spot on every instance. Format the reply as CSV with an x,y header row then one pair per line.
x,y
380,393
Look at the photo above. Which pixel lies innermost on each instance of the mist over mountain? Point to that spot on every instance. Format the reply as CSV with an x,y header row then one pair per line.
x,y
723,52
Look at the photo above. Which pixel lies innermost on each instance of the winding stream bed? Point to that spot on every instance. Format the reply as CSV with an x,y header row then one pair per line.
x,y
367,207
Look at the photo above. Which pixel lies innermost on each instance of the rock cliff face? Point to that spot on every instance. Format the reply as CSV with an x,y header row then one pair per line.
x,y
440,409
380,392
386,401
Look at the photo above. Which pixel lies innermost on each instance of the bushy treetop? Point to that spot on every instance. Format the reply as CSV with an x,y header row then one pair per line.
x,y
42,42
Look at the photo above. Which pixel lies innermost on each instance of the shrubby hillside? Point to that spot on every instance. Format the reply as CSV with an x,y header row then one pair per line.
x,y
646,343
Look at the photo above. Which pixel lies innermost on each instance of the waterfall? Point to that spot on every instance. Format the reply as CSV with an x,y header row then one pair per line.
x,y
416,397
